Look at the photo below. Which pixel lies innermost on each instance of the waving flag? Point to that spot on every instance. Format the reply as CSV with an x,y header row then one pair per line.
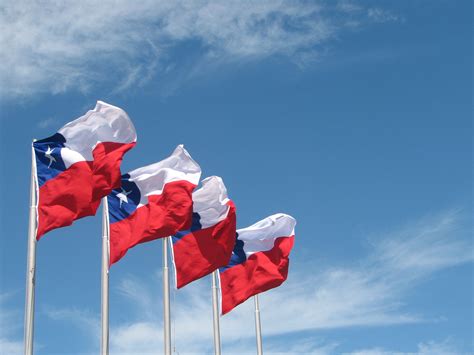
x,y
80,164
153,202
208,243
259,260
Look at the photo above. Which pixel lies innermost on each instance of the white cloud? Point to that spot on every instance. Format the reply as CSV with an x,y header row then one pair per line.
x,y
425,348
425,247
47,122
11,347
85,318
10,323
139,294
349,6
369,293
381,15
445,347
53,47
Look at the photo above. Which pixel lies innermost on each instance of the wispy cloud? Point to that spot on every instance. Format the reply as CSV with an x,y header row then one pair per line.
x,y
140,294
11,347
83,320
381,15
10,322
54,47
431,347
369,293
80,316
47,122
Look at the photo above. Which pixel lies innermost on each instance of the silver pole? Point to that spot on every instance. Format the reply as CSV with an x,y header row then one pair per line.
x,y
31,263
215,312
166,299
104,344
258,328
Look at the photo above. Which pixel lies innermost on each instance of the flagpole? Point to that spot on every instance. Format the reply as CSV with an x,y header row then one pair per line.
x,y
166,300
31,263
215,312
258,328
104,344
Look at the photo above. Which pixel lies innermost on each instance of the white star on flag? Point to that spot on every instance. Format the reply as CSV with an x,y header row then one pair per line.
x,y
123,196
48,155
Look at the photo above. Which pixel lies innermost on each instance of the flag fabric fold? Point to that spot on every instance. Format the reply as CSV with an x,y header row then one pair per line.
x,y
208,243
259,261
80,164
153,202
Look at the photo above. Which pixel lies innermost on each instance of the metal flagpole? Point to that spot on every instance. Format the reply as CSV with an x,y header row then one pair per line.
x,y
166,299
258,328
31,263
215,312
104,344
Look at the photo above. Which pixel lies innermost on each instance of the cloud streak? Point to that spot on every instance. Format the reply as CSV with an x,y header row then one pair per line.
x,y
368,293
424,348
10,323
53,47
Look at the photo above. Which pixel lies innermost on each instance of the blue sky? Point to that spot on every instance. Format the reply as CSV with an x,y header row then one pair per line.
x,y
355,117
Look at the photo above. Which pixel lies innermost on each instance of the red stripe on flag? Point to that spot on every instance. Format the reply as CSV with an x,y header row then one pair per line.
x,y
76,192
202,251
162,216
261,272
65,198
106,167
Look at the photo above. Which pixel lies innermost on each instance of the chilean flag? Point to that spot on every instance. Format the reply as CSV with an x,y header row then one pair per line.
x,y
80,164
208,243
153,202
259,260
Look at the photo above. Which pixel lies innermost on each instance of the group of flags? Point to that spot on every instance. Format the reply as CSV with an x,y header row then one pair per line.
x,y
80,164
